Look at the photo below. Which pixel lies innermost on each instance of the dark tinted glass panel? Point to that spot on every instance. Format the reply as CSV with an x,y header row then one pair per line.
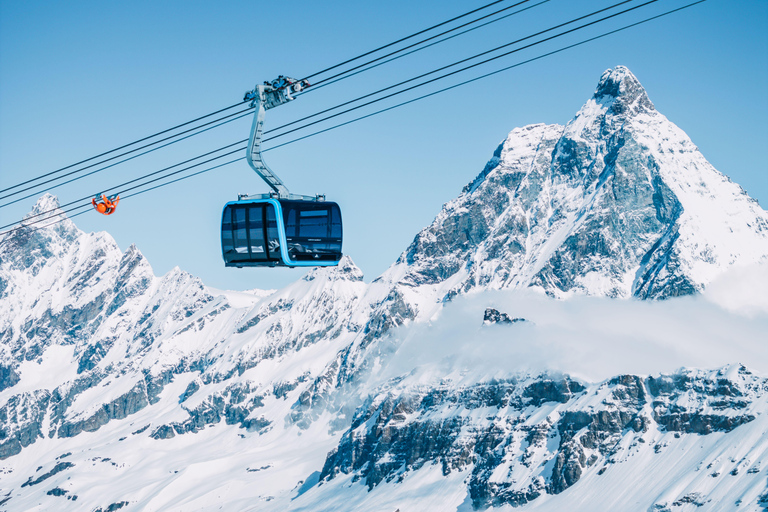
x,y
313,223
256,232
336,223
240,235
227,247
289,216
313,230
273,238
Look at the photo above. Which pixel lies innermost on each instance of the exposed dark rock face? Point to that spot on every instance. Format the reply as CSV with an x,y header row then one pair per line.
x,y
112,507
233,405
493,316
605,205
398,432
21,421
129,403
163,432
61,466
8,377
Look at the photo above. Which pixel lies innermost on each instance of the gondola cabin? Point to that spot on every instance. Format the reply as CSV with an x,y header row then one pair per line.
x,y
272,232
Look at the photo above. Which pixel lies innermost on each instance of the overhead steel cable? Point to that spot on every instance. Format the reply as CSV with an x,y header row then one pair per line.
x,y
119,148
440,77
216,112
468,59
80,207
24,223
239,103
486,75
324,80
383,110
142,177
447,74
401,40
185,177
396,93
238,115
323,83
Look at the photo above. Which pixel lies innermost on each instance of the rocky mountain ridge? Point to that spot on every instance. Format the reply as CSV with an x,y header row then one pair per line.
x,y
105,365
619,203
521,438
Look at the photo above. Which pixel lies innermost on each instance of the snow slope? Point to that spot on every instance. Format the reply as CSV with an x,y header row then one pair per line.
x,y
121,389
617,203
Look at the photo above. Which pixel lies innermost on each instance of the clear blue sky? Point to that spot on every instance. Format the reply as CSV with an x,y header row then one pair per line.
x,y
81,77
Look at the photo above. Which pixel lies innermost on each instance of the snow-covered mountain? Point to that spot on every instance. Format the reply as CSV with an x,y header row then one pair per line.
x,y
120,389
619,202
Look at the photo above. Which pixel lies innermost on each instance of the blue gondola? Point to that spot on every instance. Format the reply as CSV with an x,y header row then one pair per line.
x,y
279,229
268,232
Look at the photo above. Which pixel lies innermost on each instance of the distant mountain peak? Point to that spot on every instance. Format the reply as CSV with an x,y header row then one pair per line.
x,y
621,91
345,270
46,220
619,203
47,206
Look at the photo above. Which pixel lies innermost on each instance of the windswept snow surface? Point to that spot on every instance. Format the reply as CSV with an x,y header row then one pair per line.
x,y
506,360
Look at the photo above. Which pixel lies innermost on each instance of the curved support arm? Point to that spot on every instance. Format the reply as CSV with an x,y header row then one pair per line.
x,y
253,154
263,97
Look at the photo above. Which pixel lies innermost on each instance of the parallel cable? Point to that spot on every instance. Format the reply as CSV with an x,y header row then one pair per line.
x,y
442,76
213,113
401,40
323,83
239,103
324,80
484,76
377,112
431,80
434,79
468,59
242,113
145,176
119,148
66,212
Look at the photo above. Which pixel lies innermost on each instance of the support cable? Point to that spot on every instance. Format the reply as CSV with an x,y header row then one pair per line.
x,y
242,113
323,83
361,117
145,176
401,40
32,180
337,75
421,76
119,148
468,59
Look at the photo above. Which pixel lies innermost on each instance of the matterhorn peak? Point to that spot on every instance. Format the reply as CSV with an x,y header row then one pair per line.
x,y
621,91
619,203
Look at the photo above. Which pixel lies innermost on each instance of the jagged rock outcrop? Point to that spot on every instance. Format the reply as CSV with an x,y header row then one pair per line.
x,y
102,359
524,437
619,203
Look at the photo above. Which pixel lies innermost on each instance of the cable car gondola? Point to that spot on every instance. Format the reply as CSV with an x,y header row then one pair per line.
x,y
278,229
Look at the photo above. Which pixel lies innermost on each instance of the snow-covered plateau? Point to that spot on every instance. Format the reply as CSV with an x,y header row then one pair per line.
x,y
583,328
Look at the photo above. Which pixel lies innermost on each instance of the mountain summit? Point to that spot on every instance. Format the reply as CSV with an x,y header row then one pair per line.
x,y
620,91
121,389
619,202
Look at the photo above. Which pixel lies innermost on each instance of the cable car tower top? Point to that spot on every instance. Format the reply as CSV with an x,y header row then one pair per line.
x,y
263,97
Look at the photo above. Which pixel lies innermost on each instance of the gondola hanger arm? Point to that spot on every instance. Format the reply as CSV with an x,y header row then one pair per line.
x,y
263,97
